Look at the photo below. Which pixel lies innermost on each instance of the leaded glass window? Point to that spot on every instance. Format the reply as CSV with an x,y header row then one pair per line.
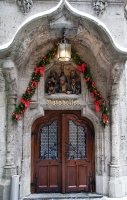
x,y
48,141
77,141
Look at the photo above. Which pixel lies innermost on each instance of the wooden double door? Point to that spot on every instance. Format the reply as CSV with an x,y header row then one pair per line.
x,y
62,153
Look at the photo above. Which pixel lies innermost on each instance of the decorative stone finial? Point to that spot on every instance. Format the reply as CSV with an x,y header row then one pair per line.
x,y
25,5
100,6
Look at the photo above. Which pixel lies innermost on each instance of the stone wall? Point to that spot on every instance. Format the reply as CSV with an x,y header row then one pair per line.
x,y
113,17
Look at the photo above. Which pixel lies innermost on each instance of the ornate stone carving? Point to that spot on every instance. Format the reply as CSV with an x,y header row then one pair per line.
x,y
10,77
63,84
25,5
125,11
100,6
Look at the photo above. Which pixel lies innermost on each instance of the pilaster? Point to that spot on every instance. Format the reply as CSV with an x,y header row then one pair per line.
x,y
10,76
115,182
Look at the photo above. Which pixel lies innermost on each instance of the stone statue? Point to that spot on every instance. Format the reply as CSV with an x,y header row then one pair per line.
x,y
75,87
52,84
74,83
49,86
63,84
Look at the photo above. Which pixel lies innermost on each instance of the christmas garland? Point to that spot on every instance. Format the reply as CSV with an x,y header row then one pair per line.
x,y
99,101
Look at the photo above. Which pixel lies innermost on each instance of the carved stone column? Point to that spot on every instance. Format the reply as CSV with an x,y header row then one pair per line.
x,y
11,91
11,94
115,182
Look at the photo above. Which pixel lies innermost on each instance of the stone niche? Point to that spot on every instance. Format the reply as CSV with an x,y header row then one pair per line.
x,y
63,78
63,91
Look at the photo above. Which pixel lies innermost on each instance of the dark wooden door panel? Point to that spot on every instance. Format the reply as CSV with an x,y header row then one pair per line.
x,y
72,176
62,154
82,178
54,176
43,177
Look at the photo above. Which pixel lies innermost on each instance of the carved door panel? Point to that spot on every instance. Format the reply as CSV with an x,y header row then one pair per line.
x,y
78,154
47,154
62,153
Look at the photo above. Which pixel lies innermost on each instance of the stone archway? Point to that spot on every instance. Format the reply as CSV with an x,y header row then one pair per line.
x,y
94,44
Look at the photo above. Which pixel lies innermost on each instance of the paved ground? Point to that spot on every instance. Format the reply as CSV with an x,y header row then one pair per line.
x,y
79,196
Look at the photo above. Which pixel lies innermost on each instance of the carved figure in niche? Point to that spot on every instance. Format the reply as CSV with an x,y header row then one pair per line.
x,y
74,83
63,86
74,87
52,85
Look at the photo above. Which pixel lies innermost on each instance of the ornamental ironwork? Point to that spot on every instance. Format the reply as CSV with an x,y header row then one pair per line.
x,y
48,141
77,141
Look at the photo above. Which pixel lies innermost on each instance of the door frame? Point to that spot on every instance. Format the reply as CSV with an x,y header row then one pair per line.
x,y
48,112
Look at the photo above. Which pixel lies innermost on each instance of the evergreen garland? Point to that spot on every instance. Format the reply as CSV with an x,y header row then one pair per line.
x,y
99,101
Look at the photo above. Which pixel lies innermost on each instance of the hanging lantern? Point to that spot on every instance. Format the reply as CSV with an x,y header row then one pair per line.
x,y
64,50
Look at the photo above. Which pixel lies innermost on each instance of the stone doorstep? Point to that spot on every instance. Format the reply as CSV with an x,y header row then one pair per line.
x,y
58,196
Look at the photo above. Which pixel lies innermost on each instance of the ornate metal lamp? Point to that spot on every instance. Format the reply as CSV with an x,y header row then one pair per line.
x,y
64,49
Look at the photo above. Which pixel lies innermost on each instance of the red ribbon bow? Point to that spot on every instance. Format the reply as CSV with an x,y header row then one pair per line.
x,y
39,69
16,116
82,67
26,102
97,103
34,84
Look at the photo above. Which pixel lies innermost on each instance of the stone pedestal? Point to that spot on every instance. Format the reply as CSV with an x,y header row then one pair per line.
x,y
116,184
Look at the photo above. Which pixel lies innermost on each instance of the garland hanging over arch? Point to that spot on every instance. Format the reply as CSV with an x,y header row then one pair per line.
x,y
99,101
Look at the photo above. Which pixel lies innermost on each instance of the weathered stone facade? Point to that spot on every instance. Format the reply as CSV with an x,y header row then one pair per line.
x,y
107,60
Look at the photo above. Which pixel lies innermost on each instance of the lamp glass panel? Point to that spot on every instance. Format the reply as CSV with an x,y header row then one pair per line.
x,y
68,51
64,52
